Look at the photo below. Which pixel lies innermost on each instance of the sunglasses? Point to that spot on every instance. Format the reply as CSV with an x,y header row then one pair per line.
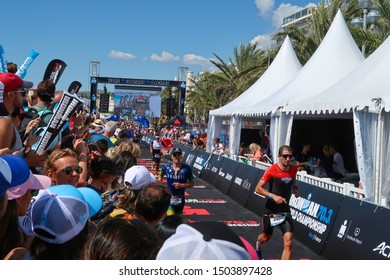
x,y
69,170
24,92
287,156
34,192
176,155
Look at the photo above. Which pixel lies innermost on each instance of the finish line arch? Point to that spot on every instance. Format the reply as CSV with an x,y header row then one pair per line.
x,y
181,85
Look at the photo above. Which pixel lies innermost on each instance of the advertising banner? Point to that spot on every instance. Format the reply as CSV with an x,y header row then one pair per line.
x,y
226,174
314,214
210,170
360,232
186,151
256,202
66,108
190,156
200,160
246,178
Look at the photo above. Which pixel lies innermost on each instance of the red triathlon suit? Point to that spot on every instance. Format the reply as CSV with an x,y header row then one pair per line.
x,y
280,183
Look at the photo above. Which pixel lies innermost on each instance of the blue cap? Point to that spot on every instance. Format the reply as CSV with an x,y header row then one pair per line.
x,y
94,200
88,195
14,171
61,212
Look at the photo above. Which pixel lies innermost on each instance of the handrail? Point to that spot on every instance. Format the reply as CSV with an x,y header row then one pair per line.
x,y
347,189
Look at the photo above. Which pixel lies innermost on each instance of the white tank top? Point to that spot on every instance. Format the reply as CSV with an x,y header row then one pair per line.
x,y
156,145
17,144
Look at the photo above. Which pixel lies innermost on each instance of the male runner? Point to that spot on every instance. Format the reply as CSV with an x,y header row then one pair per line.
x,y
281,179
179,177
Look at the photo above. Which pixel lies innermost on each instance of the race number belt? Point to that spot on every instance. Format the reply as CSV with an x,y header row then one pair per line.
x,y
176,200
277,219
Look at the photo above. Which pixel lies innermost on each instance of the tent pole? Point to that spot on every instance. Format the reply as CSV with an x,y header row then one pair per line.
x,y
378,160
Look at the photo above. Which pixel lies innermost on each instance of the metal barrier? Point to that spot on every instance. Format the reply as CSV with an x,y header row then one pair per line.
x,y
345,188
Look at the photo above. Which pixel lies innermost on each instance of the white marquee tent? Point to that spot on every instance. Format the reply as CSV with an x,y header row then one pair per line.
x,y
365,94
284,67
334,59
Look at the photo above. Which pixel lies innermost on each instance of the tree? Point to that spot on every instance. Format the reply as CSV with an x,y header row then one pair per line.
x,y
375,35
213,90
306,42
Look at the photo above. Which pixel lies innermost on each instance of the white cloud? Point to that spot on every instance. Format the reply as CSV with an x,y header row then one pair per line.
x,y
165,56
193,59
263,42
264,6
284,10
121,55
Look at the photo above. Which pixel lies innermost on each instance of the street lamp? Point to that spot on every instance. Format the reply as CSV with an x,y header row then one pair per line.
x,y
182,73
370,16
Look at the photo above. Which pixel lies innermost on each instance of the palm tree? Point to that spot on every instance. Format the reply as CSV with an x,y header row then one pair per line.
x,y
215,89
374,36
239,74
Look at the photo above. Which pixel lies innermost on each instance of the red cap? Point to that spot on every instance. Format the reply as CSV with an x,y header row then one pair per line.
x,y
12,82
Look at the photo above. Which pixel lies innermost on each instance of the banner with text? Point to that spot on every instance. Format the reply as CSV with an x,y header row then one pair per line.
x,y
360,232
210,170
226,174
314,213
66,108
247,176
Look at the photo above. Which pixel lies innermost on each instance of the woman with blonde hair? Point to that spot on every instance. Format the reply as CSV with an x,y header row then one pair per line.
x,y
65,166
125,146
257,153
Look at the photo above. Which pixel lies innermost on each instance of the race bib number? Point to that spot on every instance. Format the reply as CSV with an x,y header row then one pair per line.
x,y
277,219
176,200
156,155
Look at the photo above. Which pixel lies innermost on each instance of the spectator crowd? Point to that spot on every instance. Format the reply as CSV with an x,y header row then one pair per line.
x,y
86,196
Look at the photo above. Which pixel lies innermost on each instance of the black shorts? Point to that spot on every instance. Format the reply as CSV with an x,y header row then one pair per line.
x,y
156,156
286,226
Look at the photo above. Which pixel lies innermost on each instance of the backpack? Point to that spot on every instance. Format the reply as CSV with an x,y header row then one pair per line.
x,y
30,115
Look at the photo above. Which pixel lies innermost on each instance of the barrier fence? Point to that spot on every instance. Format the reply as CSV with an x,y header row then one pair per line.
x,y
331,218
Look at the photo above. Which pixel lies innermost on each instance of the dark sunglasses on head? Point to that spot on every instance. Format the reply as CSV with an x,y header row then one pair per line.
x,y
69,170
287,156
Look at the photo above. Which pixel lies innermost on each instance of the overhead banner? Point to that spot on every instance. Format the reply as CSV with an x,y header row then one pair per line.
x,y
137,101
314,214
360,232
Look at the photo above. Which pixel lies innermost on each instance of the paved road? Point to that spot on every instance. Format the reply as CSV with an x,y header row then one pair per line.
x,y
206,203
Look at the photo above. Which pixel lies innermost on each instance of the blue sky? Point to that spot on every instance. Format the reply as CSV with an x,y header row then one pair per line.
x,y
145,39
